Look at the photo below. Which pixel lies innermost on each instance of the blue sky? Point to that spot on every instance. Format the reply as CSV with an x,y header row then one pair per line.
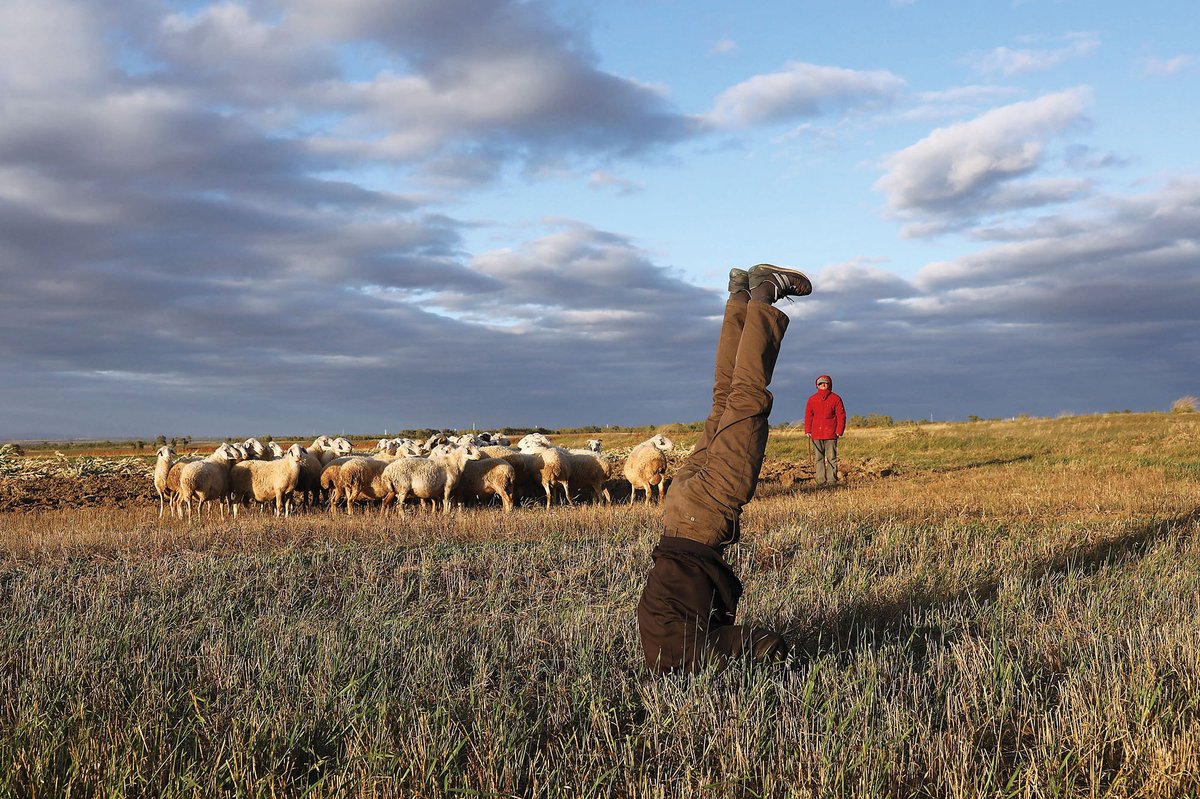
x,y
298,216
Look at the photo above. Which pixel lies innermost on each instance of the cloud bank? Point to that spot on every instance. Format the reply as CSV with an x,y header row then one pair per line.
x,y
238,218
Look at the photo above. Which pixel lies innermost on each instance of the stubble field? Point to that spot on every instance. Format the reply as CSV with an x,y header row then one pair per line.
x,y
1014,612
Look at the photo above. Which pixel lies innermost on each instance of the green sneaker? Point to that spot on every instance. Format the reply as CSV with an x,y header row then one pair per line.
x,y
783,281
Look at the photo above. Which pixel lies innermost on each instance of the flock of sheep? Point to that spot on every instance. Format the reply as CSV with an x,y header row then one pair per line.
x,y
466,469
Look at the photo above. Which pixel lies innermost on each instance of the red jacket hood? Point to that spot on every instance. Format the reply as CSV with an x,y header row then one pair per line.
x,y
826,377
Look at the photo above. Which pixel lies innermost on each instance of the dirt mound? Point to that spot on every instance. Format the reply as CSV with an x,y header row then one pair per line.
x,y
788,473
111,491
49,483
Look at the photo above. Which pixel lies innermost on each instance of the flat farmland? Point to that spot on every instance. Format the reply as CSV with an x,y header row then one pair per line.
x,y
982,609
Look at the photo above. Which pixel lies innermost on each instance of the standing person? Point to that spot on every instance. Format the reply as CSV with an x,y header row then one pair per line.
x,y
824,424
687,609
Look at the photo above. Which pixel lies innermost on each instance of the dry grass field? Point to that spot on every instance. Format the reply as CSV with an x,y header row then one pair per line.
x,y
1015,612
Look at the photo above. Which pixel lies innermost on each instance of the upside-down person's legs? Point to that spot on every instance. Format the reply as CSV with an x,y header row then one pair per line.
x,y
687,609
706,507
727,346
689,604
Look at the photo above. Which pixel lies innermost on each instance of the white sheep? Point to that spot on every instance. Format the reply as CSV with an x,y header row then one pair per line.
x,y
533,440
487,477
554,468
427,478
331,483
255,448
162,468
407,448
206,480
646,466
361,478
589,470
434,440
267,480
171,487
527,468
319,453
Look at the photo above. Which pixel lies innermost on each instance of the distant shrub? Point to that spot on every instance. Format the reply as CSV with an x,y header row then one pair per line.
x,y
871,420
1185,404
11,449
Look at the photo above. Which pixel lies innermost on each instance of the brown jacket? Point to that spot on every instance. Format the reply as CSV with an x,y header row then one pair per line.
x,y
690,594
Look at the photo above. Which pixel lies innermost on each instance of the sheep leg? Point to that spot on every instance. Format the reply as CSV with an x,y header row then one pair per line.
x,y
566,491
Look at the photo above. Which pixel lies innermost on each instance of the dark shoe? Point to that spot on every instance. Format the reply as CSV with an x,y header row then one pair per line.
x,y
778,281
739,280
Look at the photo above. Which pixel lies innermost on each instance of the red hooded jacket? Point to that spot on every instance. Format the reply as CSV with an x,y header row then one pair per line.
x,y
824,415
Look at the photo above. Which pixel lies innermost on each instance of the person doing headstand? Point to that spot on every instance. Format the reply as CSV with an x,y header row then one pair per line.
x,y
687,609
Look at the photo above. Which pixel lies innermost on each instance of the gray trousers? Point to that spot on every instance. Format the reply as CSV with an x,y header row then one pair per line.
x,y
825,460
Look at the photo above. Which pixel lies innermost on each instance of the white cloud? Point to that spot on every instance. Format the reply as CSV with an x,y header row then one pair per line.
x,y
1166,67
1008,62
962,169
604,180
802,90
956,102
724,47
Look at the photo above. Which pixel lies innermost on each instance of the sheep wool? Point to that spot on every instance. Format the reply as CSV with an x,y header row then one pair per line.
x,y
427,478
263,481
206,480
646,466
487,477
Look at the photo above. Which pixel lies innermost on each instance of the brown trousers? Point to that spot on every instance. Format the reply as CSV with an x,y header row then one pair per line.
x,y
687,608
708,493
